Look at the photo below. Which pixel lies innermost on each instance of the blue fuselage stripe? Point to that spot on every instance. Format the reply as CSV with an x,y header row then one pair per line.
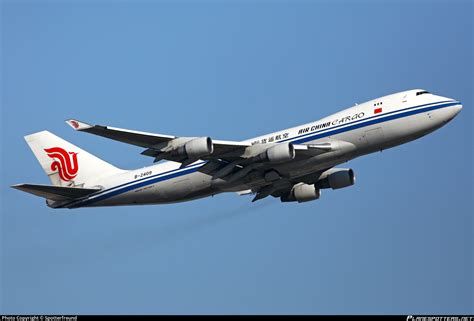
x,y
292,139
123,188
138,185
387,117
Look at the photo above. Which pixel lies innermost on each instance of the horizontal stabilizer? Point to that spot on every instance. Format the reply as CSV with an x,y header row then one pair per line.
x,y
55,193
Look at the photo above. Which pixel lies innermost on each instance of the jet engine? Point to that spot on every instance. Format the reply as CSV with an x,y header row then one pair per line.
x,y
336,178
302,193
279,153
194,149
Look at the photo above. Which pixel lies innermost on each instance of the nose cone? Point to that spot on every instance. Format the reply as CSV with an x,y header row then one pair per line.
x,y
452,111
457,108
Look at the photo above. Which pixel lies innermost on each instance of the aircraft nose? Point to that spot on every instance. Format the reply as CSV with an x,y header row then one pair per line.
x,y
457,108
452,111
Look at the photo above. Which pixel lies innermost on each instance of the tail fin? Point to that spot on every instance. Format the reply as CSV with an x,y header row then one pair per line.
x,y
65,163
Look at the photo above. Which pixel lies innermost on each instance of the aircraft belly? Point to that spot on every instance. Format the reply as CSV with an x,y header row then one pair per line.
x,y
190,186
302,168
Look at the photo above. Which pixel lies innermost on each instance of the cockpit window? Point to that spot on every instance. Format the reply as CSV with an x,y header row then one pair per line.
x,y
422,92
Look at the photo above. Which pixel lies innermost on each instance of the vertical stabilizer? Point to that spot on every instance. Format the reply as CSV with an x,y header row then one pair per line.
x,y
66,164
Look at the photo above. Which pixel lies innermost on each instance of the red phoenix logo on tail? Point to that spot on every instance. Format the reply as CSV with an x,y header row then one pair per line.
x,y
64,162
74,124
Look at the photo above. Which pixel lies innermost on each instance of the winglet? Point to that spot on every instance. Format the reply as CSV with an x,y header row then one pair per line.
x,y
78,125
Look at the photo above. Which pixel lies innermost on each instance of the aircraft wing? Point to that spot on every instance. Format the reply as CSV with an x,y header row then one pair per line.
x,y
161,146
225,156
142,139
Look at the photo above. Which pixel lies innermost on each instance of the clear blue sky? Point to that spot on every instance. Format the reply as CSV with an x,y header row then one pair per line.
x,y
399,241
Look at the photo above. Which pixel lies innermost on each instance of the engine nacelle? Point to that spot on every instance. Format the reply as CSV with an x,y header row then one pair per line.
x,y
302,193
336,178
195,148
279,153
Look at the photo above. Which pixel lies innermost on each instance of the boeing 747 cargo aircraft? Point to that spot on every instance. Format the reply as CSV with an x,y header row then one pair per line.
x,y
292,164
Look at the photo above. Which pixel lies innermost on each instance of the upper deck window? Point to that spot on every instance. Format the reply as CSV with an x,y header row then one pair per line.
x,y
422,92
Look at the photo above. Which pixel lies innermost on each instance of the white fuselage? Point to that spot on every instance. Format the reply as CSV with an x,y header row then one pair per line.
x,y
372,126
